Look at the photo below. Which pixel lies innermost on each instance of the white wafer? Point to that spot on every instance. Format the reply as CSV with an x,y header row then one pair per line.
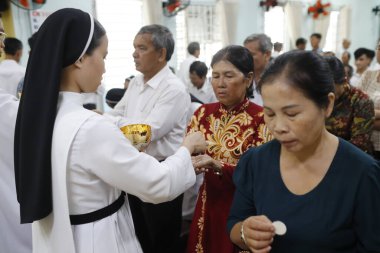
x,y
279,227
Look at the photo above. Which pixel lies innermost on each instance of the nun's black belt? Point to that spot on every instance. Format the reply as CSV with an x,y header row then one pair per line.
x,y
79,219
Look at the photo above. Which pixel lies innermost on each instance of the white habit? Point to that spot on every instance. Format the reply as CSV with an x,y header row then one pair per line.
x,y
14,237
91,162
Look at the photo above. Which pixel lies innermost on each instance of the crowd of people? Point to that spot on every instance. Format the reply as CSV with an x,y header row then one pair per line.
x,y
259,136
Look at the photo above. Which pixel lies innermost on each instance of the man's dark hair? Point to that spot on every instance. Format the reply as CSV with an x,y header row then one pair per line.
x,y
12,45
199,68
301,41
364,51
317,35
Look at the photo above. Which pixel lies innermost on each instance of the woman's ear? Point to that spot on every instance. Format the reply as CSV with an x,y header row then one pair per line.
x,y
249,77
330,106
79,63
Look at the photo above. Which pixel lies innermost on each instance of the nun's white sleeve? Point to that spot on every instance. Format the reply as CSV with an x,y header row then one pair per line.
x,y
100,148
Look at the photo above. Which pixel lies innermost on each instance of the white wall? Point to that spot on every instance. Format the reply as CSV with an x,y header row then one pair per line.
x,y
22,24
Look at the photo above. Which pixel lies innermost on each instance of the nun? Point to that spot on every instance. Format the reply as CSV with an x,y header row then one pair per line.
x,y
72,165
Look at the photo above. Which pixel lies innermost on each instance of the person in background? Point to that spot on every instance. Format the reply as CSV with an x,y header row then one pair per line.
x,y
370,84
231,126
194,51
113,96
377,64
349,71
324,190
363,58
20,85
72,165
127,81
14,237
315,40
353,115
260,47
158,98
200,87
11,72
277,48
301,43
346,57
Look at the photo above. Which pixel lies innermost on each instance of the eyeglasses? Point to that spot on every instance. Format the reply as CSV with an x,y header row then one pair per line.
x,y
3,35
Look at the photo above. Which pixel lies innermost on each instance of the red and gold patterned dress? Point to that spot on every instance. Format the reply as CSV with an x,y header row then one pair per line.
x,y
230,134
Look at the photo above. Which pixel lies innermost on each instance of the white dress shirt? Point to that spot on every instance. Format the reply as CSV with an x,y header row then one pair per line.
x,y
92,162
10,75
14,237
355,79
184,70
162,103
205,94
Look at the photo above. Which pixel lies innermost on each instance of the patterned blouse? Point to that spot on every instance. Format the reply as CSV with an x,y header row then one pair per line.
x,y
230,134
371,86
352,118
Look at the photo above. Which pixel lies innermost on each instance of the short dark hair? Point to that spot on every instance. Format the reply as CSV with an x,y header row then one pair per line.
x,y
337,69
317,35
364,51
199,68
99,32
305,71
238,56
192,47
161,38
301,41
348,54
12,45
350,71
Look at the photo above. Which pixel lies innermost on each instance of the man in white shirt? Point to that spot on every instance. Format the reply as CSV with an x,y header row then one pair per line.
x,y
158,98
200,86
10,71
183,73
14,237
363,59
260,46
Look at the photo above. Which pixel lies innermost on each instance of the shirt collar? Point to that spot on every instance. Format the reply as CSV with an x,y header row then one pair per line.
x,y
157,78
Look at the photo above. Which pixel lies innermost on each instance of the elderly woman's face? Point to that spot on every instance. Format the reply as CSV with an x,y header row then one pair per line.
x,y
294,120
229,83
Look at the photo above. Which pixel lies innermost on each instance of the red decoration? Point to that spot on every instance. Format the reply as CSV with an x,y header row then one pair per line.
x,y
171,7
24,3
318,8
268,4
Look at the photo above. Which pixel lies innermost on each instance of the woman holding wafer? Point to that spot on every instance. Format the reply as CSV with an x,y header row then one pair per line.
x,y
307,190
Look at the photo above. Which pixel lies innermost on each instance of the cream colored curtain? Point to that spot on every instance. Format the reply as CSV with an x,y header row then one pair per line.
x,y
344,25
294,21
321,25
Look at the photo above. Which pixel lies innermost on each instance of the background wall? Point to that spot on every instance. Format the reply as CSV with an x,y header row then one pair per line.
x,y
22,22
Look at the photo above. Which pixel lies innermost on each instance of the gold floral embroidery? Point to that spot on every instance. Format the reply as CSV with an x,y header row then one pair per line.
x,y
201,221
227,141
